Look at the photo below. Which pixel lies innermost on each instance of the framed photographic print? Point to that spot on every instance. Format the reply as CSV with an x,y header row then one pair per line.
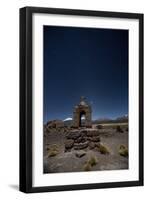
x,y
81,99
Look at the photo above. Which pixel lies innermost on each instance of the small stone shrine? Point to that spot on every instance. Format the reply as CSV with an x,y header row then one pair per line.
x,y
82,112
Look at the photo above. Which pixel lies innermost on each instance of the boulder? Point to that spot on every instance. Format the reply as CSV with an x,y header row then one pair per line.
x,y
69,144
83,132
78,146
80,139
73,135
95,139
91,145
80,153
89,138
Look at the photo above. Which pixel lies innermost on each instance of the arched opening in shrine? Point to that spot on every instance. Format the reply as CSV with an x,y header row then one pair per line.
x,y
82,118
82,114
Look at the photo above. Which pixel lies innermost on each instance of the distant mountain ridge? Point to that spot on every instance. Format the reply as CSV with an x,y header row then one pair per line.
x,y
68,121
121,119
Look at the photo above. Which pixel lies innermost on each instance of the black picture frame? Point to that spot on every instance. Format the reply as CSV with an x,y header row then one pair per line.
x,y
26,97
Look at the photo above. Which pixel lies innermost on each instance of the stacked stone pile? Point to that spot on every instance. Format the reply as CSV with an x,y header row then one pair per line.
x,y
82,139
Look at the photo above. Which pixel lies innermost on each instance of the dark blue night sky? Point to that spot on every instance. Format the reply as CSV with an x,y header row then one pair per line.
x,y
88,62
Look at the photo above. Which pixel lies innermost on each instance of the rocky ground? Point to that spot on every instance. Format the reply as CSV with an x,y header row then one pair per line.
x,y
74,150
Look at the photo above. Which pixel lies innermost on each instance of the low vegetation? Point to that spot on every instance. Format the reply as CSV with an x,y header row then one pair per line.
x,y
90,163
103,149
87,167
123,151
53,150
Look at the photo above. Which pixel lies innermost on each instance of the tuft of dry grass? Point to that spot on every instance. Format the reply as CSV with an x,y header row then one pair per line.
x,y
52,153
92,161
103,149
53,150
123,151
87,167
